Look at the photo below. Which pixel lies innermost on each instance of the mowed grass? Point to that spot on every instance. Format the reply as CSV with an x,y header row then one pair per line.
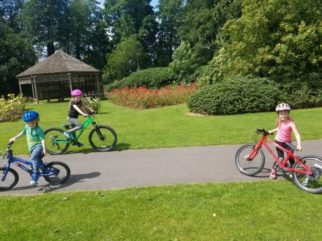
x,y
266,210
166,127
205,212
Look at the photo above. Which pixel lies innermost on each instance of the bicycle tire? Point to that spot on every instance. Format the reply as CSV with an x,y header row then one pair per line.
x,y
53,170
309,183
249,167
11,177
56,141
104,135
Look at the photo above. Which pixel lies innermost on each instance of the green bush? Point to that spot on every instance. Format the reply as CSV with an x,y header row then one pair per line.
x,y
149,78
236,95
301,95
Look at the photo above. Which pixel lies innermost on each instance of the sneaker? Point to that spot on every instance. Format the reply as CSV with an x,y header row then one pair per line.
x,y
33,183
77,143
273,174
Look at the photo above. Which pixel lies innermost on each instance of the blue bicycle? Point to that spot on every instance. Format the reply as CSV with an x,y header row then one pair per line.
x,y
53,172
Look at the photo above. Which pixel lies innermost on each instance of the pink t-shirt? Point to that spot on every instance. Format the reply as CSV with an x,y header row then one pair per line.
x,y
284,132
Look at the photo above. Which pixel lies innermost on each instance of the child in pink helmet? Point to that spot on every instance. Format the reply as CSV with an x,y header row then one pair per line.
x,y
285,127
76,108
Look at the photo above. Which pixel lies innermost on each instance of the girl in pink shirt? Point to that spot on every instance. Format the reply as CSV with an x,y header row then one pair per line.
x,y
285,126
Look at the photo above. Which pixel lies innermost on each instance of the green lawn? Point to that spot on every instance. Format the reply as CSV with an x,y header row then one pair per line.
x,y
168,127
271,210
264,210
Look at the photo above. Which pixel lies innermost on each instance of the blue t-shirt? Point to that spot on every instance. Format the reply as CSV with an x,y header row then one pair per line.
x,y
34,136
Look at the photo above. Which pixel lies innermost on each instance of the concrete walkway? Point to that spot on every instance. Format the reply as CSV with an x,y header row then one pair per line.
x,y
137,168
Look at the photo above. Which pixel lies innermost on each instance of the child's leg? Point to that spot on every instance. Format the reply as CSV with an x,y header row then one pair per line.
x,y
76,123
288,147
280,155
36,155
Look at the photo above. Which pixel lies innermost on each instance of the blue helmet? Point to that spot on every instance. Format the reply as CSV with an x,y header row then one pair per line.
x,y
28,116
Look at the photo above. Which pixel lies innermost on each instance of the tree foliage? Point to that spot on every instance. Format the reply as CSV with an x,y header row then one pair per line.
x,y
167,37
45,21
85,35
280,40
16,54
128,57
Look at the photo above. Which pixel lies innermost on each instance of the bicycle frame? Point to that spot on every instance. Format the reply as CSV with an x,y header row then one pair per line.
x,y
21,163
283,164
89,120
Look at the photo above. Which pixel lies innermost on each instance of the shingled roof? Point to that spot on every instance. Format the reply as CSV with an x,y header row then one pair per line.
x,y
59,62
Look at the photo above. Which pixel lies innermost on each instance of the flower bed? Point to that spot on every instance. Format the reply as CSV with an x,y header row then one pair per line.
x,y
150,98
11,108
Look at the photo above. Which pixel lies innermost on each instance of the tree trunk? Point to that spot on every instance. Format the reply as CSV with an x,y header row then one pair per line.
x,y
50,48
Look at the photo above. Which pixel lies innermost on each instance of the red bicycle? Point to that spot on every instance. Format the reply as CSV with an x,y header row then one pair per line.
x,y
305,173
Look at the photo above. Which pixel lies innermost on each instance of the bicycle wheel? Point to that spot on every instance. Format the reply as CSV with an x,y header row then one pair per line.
x,y
56,142
309,183
9,178
56,173
102,138
249,167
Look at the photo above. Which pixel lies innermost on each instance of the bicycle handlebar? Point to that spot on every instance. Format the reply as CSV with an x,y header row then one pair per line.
x,y
263,131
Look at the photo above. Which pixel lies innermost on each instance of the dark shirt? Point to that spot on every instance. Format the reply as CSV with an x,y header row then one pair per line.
x,y
72,112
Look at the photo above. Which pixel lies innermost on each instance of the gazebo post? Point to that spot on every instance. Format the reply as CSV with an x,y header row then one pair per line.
x,y
70,82
36,92
98,86
20,89
32,87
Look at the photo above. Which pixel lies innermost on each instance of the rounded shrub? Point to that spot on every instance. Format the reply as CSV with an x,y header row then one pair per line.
x,y
236,95
301,95
149,78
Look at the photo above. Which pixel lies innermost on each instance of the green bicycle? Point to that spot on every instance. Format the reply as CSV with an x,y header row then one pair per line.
x,y
101,137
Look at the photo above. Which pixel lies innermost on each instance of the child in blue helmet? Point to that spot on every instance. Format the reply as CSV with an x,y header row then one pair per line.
x,y
35,141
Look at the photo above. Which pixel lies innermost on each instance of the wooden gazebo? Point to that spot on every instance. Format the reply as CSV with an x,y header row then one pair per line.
x,y
55,77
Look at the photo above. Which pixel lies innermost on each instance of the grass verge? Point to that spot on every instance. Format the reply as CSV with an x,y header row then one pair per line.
x,y
235,211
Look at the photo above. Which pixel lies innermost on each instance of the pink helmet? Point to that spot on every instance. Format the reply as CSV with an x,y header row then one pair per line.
x,y
76,92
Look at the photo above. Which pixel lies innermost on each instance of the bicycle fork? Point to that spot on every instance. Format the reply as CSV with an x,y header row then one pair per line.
x,y
99,133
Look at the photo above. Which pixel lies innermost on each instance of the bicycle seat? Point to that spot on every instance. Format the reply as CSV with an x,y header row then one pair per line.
x,y
294,148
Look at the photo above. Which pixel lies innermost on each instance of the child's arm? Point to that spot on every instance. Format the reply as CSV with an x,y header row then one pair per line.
x,y
272,131
297,137
13,139
89,108
79,110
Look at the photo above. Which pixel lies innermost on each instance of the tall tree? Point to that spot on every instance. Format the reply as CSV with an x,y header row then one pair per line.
x,y
280,40
128,57
10,11
167,38
16,54
85,36
45,21
127,18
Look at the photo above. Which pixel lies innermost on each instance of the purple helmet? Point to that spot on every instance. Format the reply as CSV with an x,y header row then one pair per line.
x,y
76,92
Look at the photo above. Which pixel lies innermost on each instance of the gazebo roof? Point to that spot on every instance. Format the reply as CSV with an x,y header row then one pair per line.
x,y
59,62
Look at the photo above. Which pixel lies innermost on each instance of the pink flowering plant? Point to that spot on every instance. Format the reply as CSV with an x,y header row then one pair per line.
x,y
143,98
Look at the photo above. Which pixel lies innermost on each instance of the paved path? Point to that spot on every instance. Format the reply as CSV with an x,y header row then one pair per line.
x,y
136,168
